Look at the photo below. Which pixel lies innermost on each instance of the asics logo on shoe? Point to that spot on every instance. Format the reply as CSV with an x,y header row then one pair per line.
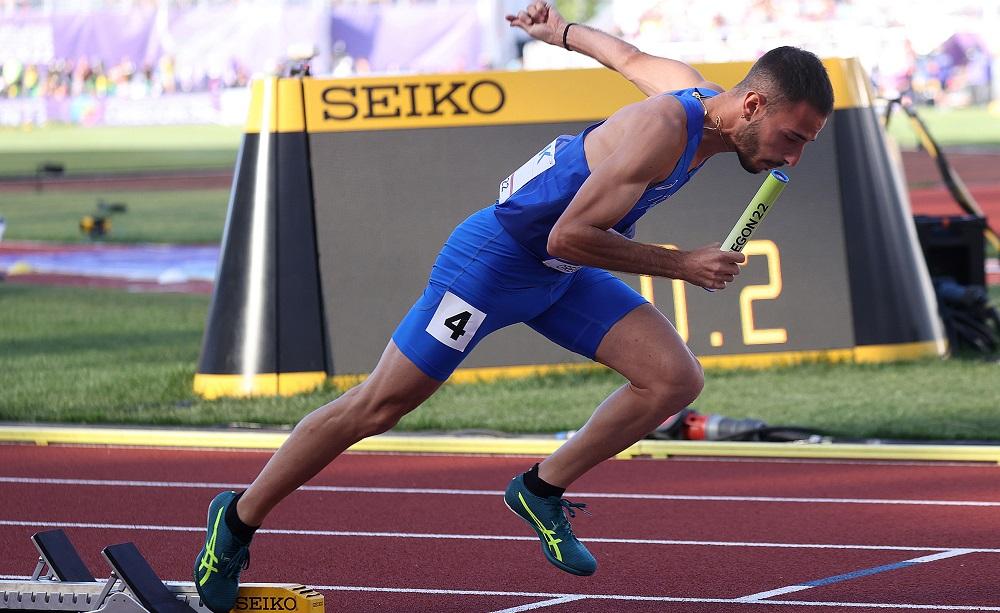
x,y
549,535
209,560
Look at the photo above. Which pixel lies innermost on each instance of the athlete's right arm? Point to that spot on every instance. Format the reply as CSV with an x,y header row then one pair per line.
x,y
651,74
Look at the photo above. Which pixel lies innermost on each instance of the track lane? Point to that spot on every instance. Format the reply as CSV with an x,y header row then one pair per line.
x,y
678,571
681,476
887,525
491,565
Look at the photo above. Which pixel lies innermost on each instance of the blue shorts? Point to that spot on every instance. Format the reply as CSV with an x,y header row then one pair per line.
x,y
483,280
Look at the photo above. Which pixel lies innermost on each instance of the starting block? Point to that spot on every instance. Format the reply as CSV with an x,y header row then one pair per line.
x,y
62,582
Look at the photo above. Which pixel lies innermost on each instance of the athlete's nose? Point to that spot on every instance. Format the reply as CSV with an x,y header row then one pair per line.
x,y
793,158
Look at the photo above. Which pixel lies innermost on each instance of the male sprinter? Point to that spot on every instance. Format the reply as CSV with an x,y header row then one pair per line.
x,y
539,255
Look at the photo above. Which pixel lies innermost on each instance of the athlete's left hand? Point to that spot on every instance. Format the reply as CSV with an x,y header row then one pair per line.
x,y
541,21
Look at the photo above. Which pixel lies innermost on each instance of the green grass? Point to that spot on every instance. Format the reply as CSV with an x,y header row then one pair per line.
x,y
89,162
117,149
106,356
976,126
193,216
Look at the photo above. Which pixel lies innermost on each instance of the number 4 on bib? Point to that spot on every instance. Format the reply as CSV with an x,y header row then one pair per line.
x,y
455,322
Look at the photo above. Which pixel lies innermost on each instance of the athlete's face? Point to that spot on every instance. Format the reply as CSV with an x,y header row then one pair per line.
x,y
774,137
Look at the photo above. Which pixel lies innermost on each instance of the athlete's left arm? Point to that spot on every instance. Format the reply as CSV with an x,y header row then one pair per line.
x,y
651,74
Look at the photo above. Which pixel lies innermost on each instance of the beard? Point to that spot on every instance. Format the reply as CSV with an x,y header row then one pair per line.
x,y
747,145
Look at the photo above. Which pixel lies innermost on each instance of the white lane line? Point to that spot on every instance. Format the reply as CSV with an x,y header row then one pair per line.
x,y
69,524
542,604
941,556
772,593
488,537
863,572
621,597
465,492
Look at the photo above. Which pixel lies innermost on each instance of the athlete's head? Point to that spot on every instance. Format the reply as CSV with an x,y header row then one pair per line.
x,y
786,98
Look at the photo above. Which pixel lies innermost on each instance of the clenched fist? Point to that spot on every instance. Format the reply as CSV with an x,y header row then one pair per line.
x,y
711,268
541,21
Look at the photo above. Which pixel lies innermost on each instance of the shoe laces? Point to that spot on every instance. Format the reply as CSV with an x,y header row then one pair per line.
x,y
567,508
238,563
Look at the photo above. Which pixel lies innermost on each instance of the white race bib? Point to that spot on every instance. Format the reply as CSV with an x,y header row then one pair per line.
x,y
561,266
455,322
542,161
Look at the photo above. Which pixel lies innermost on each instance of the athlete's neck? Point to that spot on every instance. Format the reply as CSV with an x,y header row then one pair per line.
x,y
717,134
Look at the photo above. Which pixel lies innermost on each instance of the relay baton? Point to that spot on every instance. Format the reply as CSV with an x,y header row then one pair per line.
x,y
755,212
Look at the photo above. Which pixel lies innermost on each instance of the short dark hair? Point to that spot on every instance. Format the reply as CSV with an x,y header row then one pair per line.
x,y
791,75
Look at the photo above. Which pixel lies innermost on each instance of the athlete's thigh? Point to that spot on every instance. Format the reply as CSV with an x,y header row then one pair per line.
x,y
592,304
646,349
396,377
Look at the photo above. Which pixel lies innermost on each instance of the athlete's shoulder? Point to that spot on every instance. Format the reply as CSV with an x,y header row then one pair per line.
x,y
653,123
656,115
673,107
658,127
709,88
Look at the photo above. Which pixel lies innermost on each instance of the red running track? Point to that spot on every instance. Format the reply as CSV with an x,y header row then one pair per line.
x,y
430,533
937,201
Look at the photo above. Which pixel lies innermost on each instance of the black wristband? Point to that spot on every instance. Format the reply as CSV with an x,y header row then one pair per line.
x,y
565,34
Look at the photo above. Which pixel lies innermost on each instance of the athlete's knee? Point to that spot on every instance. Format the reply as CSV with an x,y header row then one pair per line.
x,y
691,381
378,410
688,380
362,411
674,384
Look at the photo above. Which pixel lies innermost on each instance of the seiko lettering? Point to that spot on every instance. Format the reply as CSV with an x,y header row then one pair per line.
x,y
329,97
476,101
265,603
431,99
436,101
381,101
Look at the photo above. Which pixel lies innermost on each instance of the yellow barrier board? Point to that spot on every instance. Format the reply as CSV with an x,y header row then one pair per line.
x,y
485,98
528,446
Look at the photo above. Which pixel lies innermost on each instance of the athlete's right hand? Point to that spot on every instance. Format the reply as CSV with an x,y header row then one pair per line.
x,y
711,268
541,21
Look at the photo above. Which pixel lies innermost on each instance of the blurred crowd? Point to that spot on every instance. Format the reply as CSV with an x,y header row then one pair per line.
x,y
56,6
934,52
64,78
956,74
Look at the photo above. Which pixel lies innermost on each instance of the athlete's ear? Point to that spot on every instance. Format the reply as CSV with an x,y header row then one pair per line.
x,y
753,103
